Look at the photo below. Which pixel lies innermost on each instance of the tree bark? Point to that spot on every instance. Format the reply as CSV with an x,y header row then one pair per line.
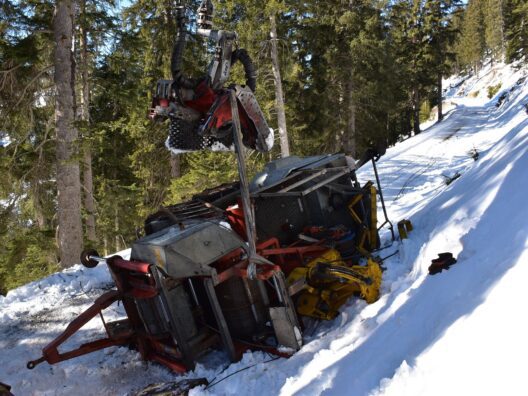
x,y
116,230
89,201
440,103
349,143
68,175
175,159
175,166
416,111
279,94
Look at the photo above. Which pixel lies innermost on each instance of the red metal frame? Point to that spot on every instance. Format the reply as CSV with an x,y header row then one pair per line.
x,y
134,280
51,353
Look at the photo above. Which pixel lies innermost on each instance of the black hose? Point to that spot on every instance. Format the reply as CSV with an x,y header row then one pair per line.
x,y
249,68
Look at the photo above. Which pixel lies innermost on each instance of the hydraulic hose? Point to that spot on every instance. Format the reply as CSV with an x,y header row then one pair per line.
x,y
249,68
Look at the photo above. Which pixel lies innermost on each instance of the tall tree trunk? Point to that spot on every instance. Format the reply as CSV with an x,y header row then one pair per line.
x,y
349,143
175,159
440,103
105,245
116,230
279,94
175,163
416,111
89,201
68,175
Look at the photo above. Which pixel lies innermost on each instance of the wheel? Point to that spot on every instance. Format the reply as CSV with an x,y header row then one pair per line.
x,y
87,261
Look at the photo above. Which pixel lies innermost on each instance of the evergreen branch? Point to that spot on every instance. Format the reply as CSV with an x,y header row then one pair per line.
x,y
31,82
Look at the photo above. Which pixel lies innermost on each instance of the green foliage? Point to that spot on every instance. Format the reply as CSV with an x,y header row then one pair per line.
x,y
425,111
363,72
27,190
25,255
493,89
206,170
516,26
472,43
494,31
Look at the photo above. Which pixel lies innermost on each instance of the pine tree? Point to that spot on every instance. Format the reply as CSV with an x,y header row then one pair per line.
x,y
27,180
516,24
494,21
279,93
472,42
438,27
87,174
94,21
411,54
68,174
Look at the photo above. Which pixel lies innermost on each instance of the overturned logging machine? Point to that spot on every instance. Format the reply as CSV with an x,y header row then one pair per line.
x,y
240,265
189,285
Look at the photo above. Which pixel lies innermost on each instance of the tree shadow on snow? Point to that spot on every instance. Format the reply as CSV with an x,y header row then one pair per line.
x,y
438,302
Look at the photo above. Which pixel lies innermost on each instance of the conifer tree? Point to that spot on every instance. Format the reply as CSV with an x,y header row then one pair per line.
x,y
472,42
494,21
279,93
516,23
412,53
27,179
70,236
438,28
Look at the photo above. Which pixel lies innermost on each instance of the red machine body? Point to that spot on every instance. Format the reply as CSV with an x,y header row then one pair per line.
x,y
139,281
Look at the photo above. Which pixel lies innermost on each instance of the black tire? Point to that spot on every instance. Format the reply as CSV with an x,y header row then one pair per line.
x,y
85,258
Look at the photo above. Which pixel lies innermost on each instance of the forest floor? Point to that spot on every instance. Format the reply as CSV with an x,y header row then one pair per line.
x,y
458,332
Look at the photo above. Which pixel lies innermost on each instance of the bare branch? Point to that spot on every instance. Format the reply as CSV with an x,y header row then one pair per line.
x,y
11,69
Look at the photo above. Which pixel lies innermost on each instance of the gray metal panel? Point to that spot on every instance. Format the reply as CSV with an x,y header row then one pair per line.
x,y
188,251
284,319
281,168
287,333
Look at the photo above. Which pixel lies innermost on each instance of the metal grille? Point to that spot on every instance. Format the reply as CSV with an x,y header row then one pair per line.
x,y
183,136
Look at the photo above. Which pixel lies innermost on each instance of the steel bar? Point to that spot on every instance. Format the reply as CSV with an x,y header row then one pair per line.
x,y
382,200
220,319
244,188
326,181
303,181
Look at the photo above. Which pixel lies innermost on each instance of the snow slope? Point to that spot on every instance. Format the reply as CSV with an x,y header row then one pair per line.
x,y
460,332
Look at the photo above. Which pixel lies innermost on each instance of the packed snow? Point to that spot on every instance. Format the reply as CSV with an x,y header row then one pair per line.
x,y
458,332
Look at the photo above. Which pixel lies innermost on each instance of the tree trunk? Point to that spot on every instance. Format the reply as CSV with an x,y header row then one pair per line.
x,y
68,177
440,104
89,201
105,245
175,163
279,94
416,112
349,143
116,230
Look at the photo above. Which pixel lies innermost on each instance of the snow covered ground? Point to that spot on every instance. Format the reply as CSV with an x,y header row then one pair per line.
x,y
460,332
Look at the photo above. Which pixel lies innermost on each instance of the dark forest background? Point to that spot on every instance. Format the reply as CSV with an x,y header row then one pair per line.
x,y
354,74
